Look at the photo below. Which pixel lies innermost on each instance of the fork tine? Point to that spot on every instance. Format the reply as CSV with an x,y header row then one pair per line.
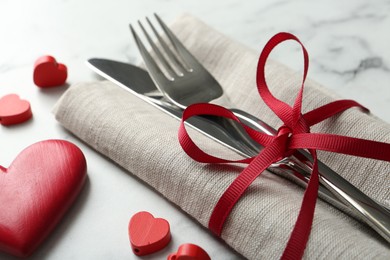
x,y
185,55
158,53
148,59
167,50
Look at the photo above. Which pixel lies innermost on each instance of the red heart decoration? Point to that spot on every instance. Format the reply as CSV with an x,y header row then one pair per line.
x,y
49,73
14,110
148,234
35,192
189,252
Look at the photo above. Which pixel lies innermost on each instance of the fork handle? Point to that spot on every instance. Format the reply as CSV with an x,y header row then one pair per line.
x,y
362,206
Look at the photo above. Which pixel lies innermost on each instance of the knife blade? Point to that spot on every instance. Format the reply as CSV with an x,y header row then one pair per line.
x,y
353,202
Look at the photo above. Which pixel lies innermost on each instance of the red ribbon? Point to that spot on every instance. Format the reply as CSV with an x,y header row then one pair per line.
x,y
293,134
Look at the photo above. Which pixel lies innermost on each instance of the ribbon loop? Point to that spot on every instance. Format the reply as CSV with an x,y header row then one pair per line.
x,y
293,134
280,108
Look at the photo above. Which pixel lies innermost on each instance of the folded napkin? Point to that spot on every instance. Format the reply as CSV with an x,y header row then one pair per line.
x,y
144,141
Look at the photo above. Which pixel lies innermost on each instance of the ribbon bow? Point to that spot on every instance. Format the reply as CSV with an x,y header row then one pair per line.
x,y
293,134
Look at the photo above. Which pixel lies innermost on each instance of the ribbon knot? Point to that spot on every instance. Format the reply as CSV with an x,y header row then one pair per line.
x,y
292,135
285,134
284,130
298,126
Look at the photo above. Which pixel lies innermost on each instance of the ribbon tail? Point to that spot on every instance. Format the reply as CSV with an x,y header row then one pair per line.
x,y
300,235
342,144
321,113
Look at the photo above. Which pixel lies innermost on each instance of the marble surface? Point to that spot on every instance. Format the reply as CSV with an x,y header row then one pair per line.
x,y
348,47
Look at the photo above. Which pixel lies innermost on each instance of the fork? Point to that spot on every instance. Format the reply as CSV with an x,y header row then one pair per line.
x,y
184,81
180,83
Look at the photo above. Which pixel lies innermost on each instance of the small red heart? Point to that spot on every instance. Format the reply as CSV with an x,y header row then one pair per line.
x,y
49,73
189,252
148,234
35,192
14,110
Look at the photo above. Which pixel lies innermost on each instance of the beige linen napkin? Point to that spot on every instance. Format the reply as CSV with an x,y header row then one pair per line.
x,y
144,141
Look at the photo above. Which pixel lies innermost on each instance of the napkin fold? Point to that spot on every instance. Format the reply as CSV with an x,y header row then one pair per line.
x,y
144,141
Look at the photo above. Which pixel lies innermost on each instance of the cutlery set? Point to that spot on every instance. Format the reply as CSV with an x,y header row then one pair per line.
x,y
175,80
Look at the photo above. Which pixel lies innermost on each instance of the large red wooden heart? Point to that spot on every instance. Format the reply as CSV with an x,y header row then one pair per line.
x,y
49,73
148,234
35,192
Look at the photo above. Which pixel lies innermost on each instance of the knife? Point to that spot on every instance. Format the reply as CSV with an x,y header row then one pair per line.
x,y
355,203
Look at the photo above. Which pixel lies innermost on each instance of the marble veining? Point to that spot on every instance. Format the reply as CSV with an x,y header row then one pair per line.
x,y
348,43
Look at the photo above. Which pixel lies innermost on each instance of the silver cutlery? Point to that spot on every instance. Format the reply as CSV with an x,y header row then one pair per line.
x,y
184,81
138,82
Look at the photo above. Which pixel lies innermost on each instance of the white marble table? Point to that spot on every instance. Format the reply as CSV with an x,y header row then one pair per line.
x,y
347,43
